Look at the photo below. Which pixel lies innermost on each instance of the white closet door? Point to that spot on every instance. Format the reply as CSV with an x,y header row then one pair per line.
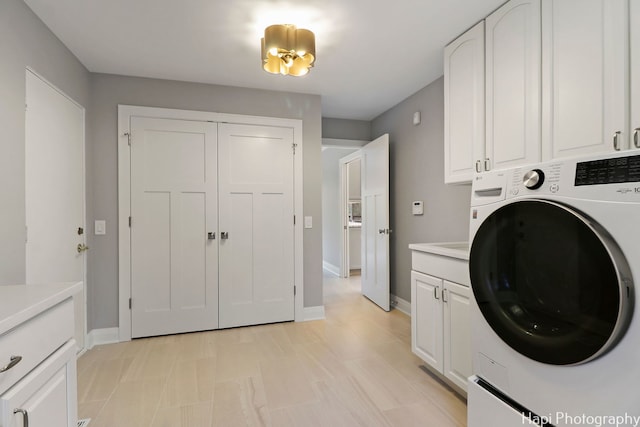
x,y
375,221
174,264
54,190
256,224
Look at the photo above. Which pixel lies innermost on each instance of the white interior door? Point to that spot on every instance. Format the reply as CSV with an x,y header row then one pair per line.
x,y
54,190
174,260
375,221
256,215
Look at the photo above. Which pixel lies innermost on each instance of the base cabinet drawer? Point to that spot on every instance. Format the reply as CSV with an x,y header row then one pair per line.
x,y
33,341
47,396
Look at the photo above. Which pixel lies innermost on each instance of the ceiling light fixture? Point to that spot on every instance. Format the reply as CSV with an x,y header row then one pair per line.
x,y
288,50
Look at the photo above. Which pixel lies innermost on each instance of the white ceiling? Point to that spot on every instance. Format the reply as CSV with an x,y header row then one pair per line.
x,y
371,54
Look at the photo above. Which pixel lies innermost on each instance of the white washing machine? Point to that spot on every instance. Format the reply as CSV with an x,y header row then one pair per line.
x,y
554,262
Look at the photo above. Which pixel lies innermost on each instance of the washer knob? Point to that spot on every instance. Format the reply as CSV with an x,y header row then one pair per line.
x,y
533,179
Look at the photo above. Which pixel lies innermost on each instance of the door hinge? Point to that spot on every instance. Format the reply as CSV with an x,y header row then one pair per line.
x,y
128,135
129,222
294,145
129,303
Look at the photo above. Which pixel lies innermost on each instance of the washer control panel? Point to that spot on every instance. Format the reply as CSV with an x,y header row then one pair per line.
x,y
608,171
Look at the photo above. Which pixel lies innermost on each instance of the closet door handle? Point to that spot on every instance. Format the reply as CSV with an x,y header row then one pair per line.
x,y
435,292
636,137
616,140
25,416
211,235
478,166
224,235
487,164
444,296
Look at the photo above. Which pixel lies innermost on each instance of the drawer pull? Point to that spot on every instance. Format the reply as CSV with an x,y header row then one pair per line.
x,y
12,362
25,416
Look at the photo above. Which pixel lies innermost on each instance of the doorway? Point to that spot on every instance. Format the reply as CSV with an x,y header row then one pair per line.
x,y
371,207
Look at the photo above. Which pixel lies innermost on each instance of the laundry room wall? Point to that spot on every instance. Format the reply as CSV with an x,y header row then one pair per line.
x,y
110,90
25,42
417,173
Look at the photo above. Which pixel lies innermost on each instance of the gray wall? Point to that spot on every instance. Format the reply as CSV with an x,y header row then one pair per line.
x,y
346,129
109,90
25,42
417,173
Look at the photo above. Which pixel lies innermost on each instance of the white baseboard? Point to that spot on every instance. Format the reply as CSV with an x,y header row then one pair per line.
x,y
401,305
102,336
313,313
330,268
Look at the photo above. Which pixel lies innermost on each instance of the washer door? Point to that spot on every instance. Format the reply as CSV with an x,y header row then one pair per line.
x,y
554,286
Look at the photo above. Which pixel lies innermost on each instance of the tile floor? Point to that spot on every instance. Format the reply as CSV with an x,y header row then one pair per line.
x,y
353,369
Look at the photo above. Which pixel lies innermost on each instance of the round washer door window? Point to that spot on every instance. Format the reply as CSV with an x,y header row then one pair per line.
x,y
546,283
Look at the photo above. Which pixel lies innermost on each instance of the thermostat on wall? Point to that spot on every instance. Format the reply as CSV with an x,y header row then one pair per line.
x,y
418,207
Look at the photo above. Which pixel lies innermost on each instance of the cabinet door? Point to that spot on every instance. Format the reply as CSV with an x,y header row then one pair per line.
x,y
457,333
464,105
635,72
513,84
47,395
585,75
426,319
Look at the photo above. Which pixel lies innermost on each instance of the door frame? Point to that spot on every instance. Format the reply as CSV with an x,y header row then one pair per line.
x,y
125,112
84,196
344,210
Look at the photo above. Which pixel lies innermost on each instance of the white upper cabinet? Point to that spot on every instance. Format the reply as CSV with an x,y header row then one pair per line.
x,y
585,52
635,73
464,105
513,69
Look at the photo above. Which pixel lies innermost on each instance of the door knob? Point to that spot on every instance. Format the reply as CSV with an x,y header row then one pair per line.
x,y
82,247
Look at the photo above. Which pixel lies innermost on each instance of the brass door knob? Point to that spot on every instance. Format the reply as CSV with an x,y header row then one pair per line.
x,y
82,247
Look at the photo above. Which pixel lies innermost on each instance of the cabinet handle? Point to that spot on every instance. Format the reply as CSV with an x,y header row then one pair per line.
x,y
444,294
13,361
435,292
211,235
616,140
224,235
487,164
25,416
636,137
478,167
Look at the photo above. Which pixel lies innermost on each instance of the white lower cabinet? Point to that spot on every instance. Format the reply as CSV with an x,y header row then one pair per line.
x,y
38,381
440,329
46,396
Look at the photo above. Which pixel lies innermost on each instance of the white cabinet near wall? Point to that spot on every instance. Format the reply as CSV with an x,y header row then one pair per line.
x,y
440,296
38,382
513,83
464,105
634,8
585,75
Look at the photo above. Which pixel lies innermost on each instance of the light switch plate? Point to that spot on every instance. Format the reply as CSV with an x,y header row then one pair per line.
x,y
308,222
418,207
100,227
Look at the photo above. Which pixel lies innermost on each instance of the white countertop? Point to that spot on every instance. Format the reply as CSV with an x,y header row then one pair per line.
x,y
458,250
19,303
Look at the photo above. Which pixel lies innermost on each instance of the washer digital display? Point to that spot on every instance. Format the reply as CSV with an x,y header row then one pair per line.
x,y
608,171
